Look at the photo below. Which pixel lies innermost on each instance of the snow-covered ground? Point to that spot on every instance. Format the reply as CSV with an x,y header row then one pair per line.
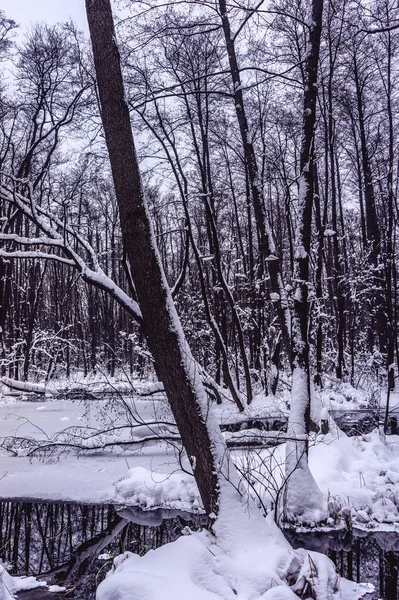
x,y
359,475
194,567
248,559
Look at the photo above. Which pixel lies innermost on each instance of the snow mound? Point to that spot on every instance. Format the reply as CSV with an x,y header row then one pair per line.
x,y
339,395
196,567
173,572
245,558
10,585
360,474
150,490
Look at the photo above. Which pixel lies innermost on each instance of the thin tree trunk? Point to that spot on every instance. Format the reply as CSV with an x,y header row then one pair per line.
x,y
378,324
182,184
389,258
320,228
267,247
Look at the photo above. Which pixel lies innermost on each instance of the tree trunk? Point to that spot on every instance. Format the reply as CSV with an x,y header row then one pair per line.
x,y
165,337
303,498
378,325
389,254
267,247
320,227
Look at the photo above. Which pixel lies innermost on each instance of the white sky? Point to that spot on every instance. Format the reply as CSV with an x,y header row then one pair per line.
x,y
26,12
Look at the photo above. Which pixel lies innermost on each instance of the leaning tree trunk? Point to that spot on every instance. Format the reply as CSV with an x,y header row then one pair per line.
x,y
303,499
165,337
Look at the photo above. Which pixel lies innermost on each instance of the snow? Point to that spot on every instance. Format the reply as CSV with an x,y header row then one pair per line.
x,y
173,572
300,252
200,565
10,585
88,477
79,384
148,491
302,188
228,565
358,475
56,588
361,474
249,559
304,500
274,297
24,385
343,396
95,476
261,407
87,480
324,414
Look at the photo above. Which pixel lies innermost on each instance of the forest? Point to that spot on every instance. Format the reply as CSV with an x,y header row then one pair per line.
x,y
229,259
202,196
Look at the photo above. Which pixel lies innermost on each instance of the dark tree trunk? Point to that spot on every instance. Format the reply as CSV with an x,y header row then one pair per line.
x,y
338,280
300,344
372,229
320,227
164,335
389,255
267,247
378,324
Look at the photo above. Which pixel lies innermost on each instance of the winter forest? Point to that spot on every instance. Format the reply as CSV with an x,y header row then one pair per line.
x,y
199,302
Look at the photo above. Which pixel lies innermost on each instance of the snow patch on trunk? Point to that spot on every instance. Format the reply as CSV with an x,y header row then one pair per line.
x,y
304,501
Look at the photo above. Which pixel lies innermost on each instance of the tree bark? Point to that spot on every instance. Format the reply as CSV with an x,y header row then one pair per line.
x,y
165,337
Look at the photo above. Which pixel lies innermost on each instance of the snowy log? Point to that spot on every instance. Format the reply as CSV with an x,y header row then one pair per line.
x,y
24,386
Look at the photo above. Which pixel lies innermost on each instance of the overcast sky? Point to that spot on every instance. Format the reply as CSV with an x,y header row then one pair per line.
x,y
26,12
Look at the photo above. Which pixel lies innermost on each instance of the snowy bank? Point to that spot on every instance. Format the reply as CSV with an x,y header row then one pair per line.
x,y
197,567
150,491
360,475
246,557
11,585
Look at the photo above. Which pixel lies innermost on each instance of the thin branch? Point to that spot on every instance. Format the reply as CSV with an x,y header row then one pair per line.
x,y
44,221
246,19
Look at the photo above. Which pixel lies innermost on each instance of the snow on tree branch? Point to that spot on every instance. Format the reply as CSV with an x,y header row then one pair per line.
x,y
62,236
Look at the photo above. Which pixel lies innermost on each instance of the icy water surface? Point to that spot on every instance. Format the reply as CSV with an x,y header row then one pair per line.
x,y
73,545
360,556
